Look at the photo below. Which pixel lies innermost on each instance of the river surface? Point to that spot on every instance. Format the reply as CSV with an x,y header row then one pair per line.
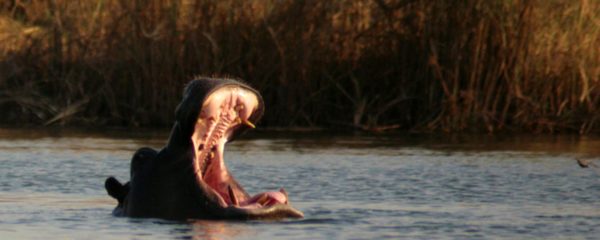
x,y
348,186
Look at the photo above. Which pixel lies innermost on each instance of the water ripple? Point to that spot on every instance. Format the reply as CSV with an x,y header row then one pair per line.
x,y
350,188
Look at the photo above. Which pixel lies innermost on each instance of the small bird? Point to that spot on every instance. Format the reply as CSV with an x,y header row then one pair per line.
x,y
585,163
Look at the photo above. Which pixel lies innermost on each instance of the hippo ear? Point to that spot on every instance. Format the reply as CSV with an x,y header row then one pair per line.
x,y
115,189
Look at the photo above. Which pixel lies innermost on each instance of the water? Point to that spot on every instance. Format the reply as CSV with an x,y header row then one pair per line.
x,y
349,187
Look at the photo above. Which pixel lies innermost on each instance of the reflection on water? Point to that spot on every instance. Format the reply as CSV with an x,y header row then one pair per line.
x,y
349,186
202,229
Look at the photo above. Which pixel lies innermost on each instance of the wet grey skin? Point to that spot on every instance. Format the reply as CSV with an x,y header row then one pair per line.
x,y
188,178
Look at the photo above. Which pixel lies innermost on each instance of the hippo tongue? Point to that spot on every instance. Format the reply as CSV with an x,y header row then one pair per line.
x,y
224,111
266,199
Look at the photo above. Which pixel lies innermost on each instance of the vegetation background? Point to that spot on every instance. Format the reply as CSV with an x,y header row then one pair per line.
x,y
444,65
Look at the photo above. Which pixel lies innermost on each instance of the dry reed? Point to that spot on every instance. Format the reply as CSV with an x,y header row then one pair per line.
x,y
474,65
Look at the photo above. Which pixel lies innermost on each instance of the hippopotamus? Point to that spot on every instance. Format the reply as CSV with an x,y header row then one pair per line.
x,y
188,178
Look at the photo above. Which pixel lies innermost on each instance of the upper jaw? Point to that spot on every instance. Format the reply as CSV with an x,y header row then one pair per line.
x,y
225,112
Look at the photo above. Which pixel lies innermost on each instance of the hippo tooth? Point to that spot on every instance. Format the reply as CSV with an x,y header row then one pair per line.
x,y
248,123
263,199
234,200
237,121
281,190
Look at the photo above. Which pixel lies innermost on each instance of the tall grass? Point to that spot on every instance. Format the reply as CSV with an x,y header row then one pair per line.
x,y
474,65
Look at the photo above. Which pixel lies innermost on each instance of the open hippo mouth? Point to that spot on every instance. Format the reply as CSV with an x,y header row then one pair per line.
x,y
223,112
188,177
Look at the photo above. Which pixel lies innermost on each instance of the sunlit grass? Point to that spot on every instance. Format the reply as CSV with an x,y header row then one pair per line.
x,y
446,65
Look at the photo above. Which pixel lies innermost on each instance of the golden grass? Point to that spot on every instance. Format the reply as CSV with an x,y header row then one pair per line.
x,y
475,65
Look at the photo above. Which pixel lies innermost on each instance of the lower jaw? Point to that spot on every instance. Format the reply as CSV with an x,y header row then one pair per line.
x,y
260,200
276,211
266,205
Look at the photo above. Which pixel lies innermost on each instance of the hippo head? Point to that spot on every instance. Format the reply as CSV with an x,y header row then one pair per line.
x,y
189,178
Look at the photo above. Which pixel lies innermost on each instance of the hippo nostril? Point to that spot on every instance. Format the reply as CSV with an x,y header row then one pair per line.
x,y
200,147
232,196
